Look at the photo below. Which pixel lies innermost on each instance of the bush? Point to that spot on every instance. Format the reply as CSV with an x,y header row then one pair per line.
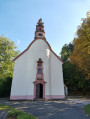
x,y
87,109
5,87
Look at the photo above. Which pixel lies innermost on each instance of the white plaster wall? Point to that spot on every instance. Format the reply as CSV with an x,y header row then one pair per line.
x,y
25,69
19,76
57,85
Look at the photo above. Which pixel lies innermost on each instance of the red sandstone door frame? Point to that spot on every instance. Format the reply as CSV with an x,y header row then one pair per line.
x,y
39,82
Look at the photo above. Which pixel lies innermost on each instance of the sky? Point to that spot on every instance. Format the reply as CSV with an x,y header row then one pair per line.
x,y
18,19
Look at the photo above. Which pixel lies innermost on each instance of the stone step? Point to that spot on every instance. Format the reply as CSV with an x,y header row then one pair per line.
x,y
39,99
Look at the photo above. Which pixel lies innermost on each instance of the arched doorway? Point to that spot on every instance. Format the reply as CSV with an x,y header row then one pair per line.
x,y
39,90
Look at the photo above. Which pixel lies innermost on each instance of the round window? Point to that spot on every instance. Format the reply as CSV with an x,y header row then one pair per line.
x,y
40,34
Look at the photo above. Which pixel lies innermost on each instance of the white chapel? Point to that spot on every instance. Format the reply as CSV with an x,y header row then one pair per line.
x,y
38,71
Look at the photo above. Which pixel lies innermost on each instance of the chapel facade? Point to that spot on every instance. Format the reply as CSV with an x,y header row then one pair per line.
x,y
38,71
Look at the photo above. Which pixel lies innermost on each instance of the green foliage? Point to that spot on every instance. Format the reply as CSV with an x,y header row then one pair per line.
x,y
76,60
17,114
4,107
74,79
7,54
81,54
5,87
87,109
25,116
67,51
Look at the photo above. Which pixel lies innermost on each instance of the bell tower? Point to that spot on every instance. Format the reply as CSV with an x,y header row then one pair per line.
x,y
40,33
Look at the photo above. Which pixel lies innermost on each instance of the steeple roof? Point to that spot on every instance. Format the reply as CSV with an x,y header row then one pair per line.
x,y
40,33
40,23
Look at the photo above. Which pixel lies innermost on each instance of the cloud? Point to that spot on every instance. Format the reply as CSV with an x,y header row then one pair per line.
x,y
18,42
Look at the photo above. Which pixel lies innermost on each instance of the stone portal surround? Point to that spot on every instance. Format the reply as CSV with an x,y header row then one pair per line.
x,y
41,82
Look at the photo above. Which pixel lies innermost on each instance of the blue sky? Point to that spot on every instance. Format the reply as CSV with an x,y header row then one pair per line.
x,y
18,19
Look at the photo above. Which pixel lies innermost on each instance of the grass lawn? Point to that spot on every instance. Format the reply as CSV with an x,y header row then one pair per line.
x,y
87,109
16,114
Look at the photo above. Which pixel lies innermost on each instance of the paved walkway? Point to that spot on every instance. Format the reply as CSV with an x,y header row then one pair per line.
x,y
3,114
60,109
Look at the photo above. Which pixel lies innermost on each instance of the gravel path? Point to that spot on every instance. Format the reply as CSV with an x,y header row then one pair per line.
x,y
59,109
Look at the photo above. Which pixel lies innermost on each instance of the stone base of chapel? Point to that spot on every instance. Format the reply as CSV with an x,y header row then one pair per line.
x,y
31,97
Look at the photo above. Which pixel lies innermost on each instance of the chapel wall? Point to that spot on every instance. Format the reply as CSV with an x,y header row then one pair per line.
x,y
19,76
40,49
57,85
26,68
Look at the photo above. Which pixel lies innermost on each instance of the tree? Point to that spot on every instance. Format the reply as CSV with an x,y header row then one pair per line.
x,y
7,54
81,54
74,79
5,87
67,51
76,59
